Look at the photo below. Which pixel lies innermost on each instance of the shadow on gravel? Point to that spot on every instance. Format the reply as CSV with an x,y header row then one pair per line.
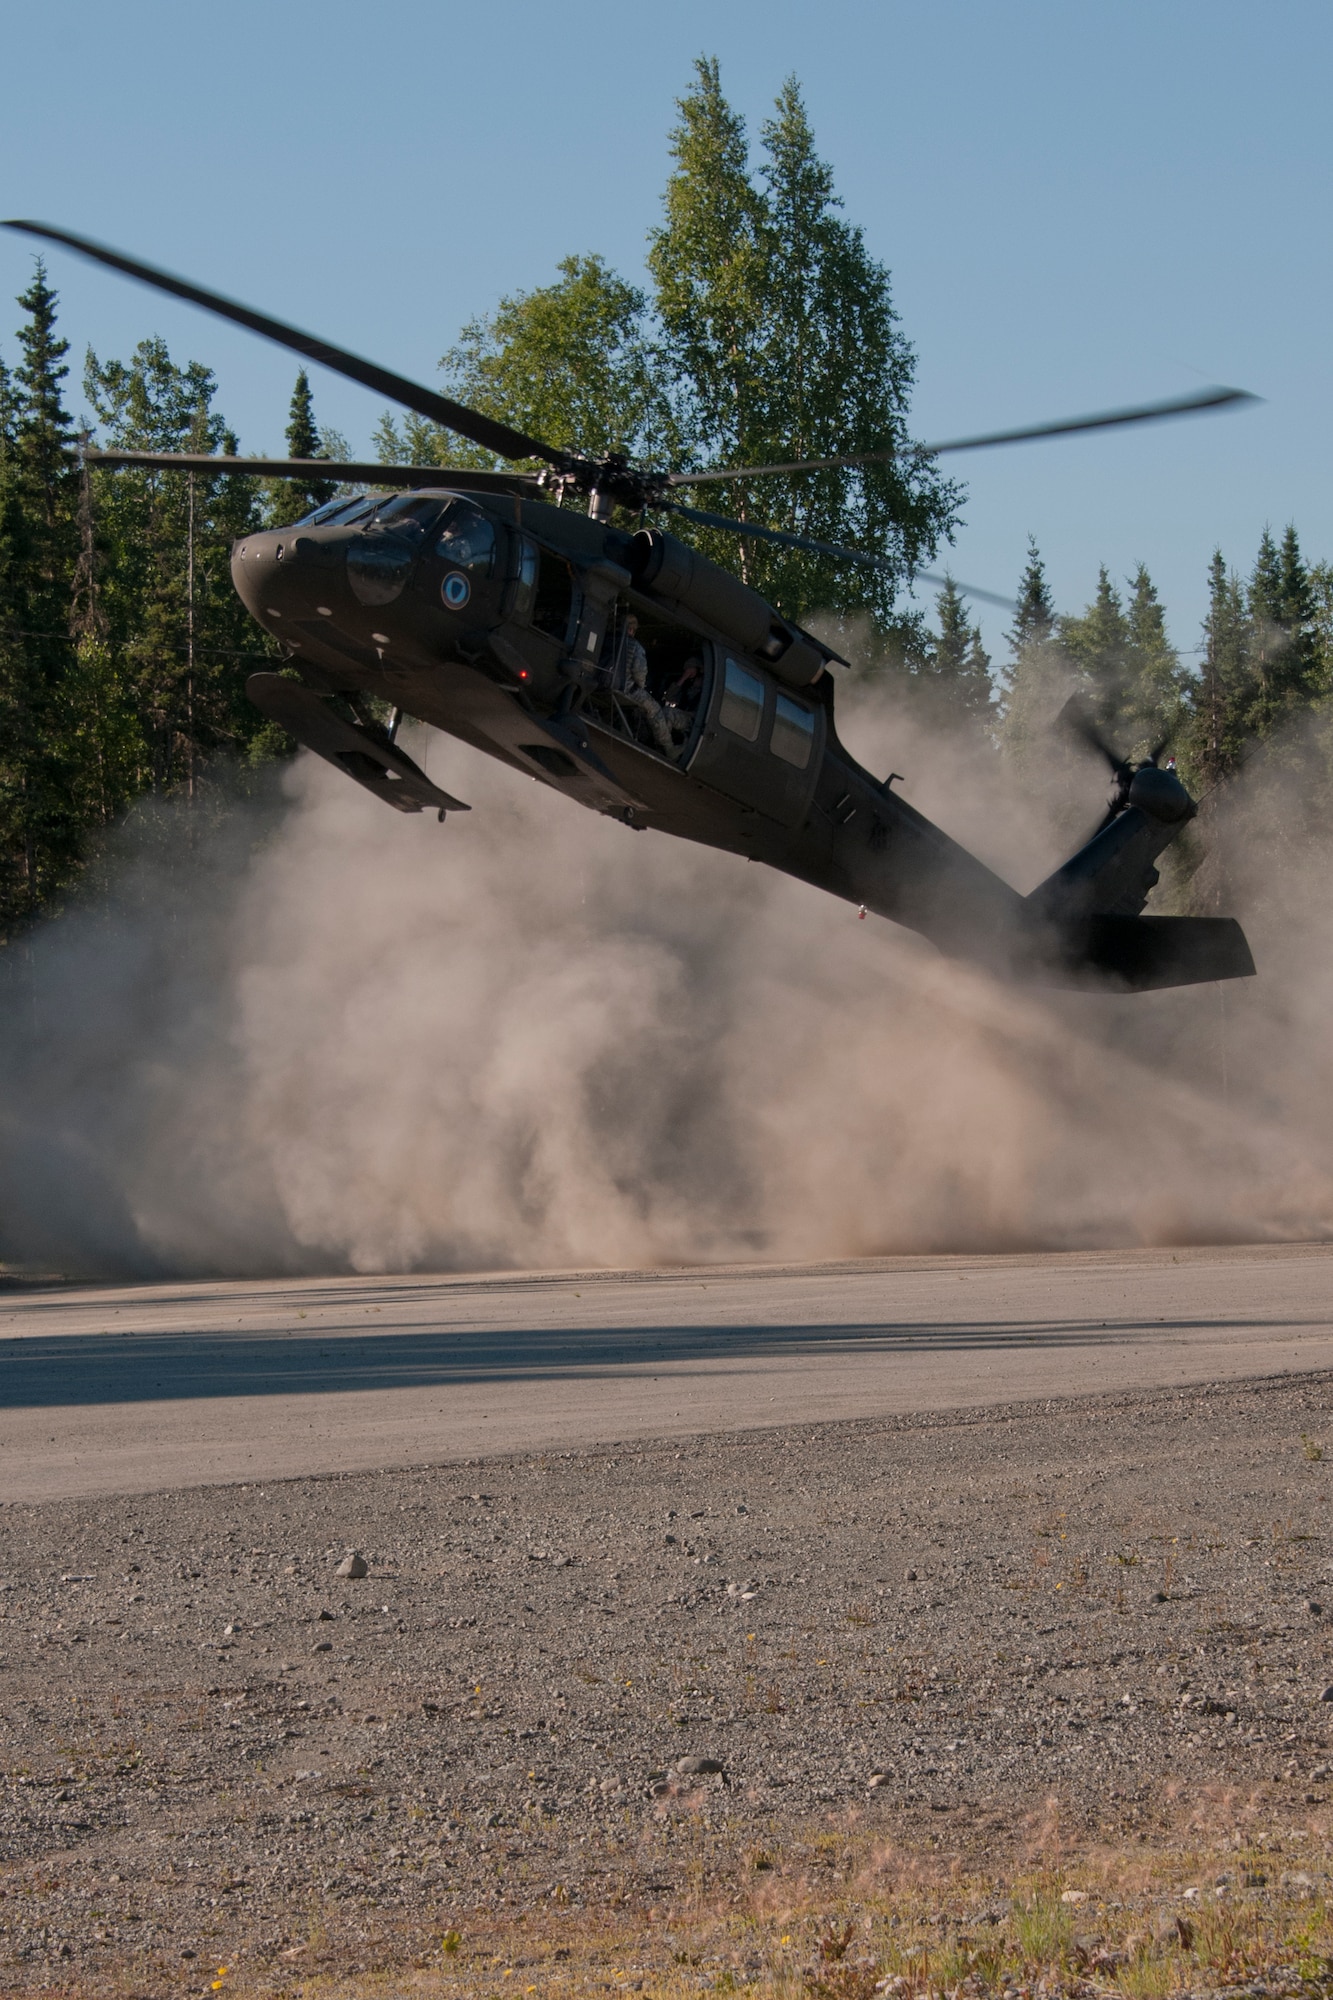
x,y
129,1368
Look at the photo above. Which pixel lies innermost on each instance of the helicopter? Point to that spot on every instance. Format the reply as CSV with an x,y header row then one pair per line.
x,y
620,667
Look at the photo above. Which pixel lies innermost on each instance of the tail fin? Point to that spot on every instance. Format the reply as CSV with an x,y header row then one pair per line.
x,y
1090,908
1112,874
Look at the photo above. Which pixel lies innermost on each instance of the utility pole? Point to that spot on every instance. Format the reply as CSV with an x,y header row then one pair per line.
x,y
189,642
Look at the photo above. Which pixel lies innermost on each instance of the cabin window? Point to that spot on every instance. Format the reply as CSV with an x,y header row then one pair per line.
x,y
742,706
467,539
793,732
525,581
555,596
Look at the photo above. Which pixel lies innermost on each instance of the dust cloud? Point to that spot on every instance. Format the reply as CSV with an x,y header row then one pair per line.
x,y
313,1035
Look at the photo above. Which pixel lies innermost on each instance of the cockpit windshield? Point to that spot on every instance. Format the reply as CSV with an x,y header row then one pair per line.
x,y
339,511
467,539
408,514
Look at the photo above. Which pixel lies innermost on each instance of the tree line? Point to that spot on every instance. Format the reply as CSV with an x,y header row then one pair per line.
x,y
767,332
1256,688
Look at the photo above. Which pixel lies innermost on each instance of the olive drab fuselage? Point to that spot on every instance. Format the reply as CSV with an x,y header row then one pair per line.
x,y
498,619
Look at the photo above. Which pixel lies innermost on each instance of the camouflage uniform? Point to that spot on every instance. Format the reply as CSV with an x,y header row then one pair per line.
x,y
634,693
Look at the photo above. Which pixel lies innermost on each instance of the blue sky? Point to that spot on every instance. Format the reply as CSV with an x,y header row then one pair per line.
x,y
1081,204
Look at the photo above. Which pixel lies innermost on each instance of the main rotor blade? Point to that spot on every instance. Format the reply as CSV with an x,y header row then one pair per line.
x,y
826,549
760,533
966,589
1200,400
1143,413
485,431
367,473
712,477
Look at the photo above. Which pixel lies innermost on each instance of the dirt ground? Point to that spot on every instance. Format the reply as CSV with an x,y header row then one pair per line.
x,y
771,1711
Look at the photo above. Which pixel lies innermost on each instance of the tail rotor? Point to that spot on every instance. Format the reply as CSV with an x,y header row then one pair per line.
x,y
1149,784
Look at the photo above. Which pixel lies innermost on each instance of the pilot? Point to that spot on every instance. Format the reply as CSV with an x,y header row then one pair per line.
x,y
634,690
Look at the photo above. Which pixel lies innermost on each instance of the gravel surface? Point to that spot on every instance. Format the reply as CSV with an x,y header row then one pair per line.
x,y
611,1678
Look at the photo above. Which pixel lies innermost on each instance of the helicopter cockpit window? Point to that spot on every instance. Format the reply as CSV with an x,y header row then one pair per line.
x,y
793,732
338,512
742,707
407,513
467,539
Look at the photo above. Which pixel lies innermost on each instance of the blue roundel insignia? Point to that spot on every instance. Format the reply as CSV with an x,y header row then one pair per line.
x,y
455,590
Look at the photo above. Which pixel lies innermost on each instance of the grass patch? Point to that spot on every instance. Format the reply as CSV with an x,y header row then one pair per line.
x,y
846,1915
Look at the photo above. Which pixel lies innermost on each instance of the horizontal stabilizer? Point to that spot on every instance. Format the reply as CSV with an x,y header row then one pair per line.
x,y
359,753
1140,954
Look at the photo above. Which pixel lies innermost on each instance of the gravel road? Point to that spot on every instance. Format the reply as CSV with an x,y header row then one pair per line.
x,y
619,1675
129,1388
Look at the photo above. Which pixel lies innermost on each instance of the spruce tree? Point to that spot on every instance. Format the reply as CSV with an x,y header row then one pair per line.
x,y
177,628
1283,644
955,669
1299,612
1222,693
1268,639
1034,614
1097,643
290,499
39,822
1154,708
1038,677
1321,592
302,437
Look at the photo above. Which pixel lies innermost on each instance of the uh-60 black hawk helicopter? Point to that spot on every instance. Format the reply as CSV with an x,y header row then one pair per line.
x,y
623,669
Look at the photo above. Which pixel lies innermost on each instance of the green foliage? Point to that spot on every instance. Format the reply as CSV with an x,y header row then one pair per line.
x,y
771,334
1038,677
1034,614
1154,709
39,505
1042,1926
174,622
784,343
120,635
1127,666
572,363
291,499
1096,644
412,440
1117,658
1216,735
955,667
708,262
1261,696
302,437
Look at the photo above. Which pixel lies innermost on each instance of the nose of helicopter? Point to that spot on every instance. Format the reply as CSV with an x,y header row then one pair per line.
x,y
288,573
